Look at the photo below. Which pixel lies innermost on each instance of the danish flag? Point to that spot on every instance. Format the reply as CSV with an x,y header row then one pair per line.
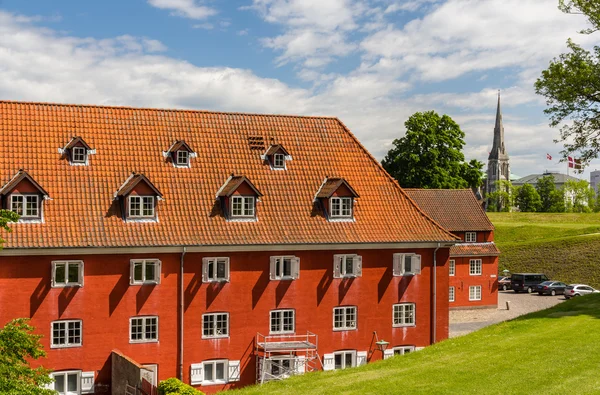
x,y
548,156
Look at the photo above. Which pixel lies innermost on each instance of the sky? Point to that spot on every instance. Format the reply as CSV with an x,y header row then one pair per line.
x,y
371,63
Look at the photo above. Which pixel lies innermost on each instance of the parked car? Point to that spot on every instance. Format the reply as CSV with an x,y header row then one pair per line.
x,y
504,283
578,289
551,288
520,282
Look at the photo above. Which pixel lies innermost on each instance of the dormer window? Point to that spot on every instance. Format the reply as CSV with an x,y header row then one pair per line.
x,y
183,158
337,198
141,206
242,206
138,197
77,151
23,196
277,157
179,154
238,198
279,161
27,206
79,155
341,207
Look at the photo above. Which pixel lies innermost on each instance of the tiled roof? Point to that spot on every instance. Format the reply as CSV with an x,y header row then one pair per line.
x,y
82,212
330,185
455,209
233,183
17,178
274,148
132,181
474,249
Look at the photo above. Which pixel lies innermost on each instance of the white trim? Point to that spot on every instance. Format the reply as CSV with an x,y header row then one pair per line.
x,y
215,336
280,313
294,267
341,210
24,217
402,307
207,278
244,200
66,373
452,267
66,333
469,235
213,362
478,267
142,199
343,354
474,290
451,294
345,326
144,262
67,284
79,162
144,339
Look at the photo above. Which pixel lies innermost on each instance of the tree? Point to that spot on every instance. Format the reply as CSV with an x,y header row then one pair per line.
x,y
6,217
579,196
553,200
503,197
18,345
173,386
430,155
528,199
571,85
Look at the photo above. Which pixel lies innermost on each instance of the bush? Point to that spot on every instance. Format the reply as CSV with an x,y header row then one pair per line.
x,y
173,386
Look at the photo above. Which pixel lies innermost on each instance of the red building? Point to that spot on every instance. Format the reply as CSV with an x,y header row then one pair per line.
x,y
221,248
473,267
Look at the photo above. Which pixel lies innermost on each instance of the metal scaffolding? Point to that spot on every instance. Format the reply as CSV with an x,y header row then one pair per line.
x,y
281,356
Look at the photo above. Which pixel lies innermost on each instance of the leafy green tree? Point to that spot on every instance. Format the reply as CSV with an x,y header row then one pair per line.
x,y
173,386
503,198
553,200
19,345
571,86
6,217
430,155
579,196
527,199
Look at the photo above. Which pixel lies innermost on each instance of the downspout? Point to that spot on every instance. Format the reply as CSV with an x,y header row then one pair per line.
x,y
434,296
181,305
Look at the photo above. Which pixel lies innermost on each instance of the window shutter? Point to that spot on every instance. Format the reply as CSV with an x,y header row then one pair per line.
x,y
361,358
272,269
205,270
234,371
131,271
328,362
227,263
358,265
337,266
300,364
87,382
416,264
196,374
158,272
296,267
388,353
398,259
52,275
81,273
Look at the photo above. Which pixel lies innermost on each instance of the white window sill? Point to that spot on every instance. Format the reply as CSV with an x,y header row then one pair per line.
x,y
32,220
141,219
67,286
145,283
403,325
475,274
474,300
242,219
284,279
405,274
282,333
342,219
216,382
142,341
220,280
345,329
55,346
215,337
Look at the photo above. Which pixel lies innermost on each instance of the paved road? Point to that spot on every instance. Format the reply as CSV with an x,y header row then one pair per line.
x,y
466,321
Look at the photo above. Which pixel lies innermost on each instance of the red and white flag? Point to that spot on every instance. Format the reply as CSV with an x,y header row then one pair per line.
x,y
571,162
548,156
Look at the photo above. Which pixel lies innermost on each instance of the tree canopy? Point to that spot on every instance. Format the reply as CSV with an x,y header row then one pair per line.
x,y
571,86
6,217
430,155
553,200
528,199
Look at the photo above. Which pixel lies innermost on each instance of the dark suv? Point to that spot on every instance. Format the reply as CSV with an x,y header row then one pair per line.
x,y
526,281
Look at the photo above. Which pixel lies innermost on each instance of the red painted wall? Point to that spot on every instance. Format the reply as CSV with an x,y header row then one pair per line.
x,y
107,301
462,280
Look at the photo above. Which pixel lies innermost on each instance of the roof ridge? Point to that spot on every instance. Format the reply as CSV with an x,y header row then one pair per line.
x,y
166,109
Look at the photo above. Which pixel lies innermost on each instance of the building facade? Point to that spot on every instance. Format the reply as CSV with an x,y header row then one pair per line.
x,y
220,248
473,266
498,168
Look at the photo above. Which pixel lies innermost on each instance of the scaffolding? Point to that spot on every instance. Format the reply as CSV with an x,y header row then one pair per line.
x,y
281,356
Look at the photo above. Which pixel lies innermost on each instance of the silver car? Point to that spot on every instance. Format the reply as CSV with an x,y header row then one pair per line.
x,y
578,289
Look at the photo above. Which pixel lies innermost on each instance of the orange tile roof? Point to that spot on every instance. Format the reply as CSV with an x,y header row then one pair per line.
x,y
330,185
474,249
82,213
455,209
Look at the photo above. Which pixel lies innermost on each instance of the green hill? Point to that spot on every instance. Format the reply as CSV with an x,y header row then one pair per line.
x,y
553,351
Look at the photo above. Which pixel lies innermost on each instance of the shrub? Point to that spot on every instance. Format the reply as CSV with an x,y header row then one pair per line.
x,y
173,386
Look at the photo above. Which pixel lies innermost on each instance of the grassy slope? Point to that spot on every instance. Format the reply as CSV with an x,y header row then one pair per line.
x,y
564,246
554,351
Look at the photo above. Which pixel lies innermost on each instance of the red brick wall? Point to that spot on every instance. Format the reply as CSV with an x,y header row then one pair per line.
x,y
462,280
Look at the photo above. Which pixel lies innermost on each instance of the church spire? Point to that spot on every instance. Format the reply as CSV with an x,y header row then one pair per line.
x,y
498,150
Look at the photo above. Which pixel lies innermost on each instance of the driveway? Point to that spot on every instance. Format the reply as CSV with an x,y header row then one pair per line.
x,y
466,321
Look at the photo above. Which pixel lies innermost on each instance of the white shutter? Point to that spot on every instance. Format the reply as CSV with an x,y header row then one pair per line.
x,y
398,259
416,264
205,270
52,274
196,374
300,365
131,271
272,269
158,273
227,263
388,353
81,273
357,261
87,382
328,362
296,267
337,266
234,371
361,358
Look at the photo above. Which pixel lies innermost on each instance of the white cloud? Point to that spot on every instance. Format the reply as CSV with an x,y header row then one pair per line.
x,y
192,9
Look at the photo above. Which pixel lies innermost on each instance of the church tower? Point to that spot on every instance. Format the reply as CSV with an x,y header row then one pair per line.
x,y
498,167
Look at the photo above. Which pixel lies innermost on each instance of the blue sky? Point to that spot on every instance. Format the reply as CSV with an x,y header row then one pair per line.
x,y
372,63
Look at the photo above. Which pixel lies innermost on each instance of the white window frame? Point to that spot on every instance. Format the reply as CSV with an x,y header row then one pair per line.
x,y
474,292
182,157
210,275
344,207
144,262
247,206
66,330
25,197
475,267
145,338
279,315
451,294
345,325
78,151
452,267
66,284
279,161
214,362
343,354
400,264
142,201
66,373
470,237
214,329
340,263
400,310
277,266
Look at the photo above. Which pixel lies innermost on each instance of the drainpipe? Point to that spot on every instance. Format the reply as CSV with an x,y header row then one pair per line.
x,y
434,296
181,302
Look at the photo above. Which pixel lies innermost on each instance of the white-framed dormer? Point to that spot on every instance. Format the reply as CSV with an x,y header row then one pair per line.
x,y
180,154
277,157
239,198
138,199
77,152
337,199
25,197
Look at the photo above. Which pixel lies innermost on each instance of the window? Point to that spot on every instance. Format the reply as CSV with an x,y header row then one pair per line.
x,y
67,274
279,161
474,267
452,268
66,334
67,383
219,371
282,367
214,372
451,294
341,207
215,269
282,321
285,268
407,264
347,266
471,237
143,329
401,350
344,318
344,359
141,206
215,325
242,206
183,158
475,292
404,314
79,155
145,271
27,206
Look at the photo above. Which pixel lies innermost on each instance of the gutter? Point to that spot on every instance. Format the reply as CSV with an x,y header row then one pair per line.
x,y
434,296
181,308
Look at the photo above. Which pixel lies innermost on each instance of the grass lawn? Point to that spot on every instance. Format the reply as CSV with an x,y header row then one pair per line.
x,y
555,351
